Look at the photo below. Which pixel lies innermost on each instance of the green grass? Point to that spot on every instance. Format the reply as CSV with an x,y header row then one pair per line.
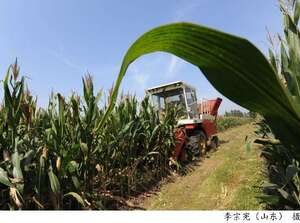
x,y
251,179
229,179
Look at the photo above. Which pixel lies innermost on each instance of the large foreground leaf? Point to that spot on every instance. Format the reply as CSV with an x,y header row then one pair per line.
x,y
233,66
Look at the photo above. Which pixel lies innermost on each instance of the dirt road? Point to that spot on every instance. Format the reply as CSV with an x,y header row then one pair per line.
x,y
228,179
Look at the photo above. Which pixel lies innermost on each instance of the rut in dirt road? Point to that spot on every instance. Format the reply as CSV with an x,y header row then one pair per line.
x,y
228,179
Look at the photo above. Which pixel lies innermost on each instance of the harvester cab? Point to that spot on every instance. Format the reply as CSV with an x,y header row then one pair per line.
x,y
197,131
177,93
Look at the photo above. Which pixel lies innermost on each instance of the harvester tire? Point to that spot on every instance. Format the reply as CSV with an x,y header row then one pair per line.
x,y
216,140
202,144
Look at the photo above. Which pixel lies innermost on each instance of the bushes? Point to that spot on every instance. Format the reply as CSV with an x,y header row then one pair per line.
x,y
226,122
57,158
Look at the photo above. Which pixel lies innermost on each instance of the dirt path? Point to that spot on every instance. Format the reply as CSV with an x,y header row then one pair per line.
x,y
228,179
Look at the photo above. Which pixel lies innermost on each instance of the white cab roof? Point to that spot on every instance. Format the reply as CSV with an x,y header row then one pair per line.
x,y
176,84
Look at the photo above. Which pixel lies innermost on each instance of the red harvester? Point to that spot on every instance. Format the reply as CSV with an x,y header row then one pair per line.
x,y
197,131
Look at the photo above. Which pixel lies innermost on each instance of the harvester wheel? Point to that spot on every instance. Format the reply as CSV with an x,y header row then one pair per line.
x,y
213,143
216,140
202,144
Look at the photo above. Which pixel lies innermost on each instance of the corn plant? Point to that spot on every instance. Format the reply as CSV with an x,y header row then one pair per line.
x,y
15,167
135,147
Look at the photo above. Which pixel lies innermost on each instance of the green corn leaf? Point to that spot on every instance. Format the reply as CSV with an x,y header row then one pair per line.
x,y
76,182
289,25
98,96
77,197
273,60
85,90
286,195
296,12
234,66
17,171
41,174
271,199
61,108
153,153
4,178
20,93
27,157
154,133
290,172
270,185
7,94
73,166
84,149
54,183
126,128
284,58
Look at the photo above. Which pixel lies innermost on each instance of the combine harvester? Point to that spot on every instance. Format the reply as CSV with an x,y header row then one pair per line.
x,y
197,130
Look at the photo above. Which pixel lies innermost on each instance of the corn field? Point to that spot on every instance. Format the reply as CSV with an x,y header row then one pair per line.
x,y
57,158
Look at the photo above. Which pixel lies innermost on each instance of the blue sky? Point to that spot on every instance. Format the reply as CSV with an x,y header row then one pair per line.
x,y
58,41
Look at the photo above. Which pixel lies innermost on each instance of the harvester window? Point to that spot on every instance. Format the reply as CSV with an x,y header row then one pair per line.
x,y
161,103
191,102
190,96
158,102
174,97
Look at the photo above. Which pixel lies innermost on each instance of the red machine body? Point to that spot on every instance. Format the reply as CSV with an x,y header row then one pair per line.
x,y
207,109
210,107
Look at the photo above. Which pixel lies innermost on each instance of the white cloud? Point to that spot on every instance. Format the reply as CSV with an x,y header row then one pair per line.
x,y
139,76
185,9
174,67
141,79
60,55
181,13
